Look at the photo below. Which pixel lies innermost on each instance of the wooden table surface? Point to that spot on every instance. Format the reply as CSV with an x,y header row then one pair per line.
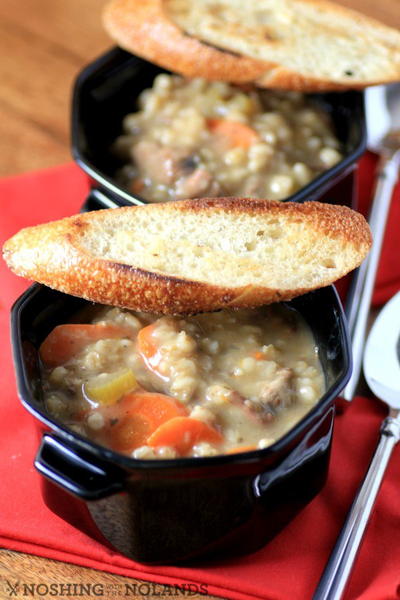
x,y
43,45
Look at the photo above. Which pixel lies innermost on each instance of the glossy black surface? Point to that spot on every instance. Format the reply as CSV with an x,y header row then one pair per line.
x,y
107,90
178,510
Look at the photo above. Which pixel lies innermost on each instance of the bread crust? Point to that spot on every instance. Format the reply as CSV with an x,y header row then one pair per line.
x,y
54,255
295,35
148,29
144,29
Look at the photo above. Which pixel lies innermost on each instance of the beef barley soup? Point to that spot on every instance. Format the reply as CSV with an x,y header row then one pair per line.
x,y
165,387
195,138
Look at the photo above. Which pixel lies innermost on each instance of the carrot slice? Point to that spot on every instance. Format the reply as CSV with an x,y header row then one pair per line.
x,y
129,433
258,355
182,433
137,185
129,422
236,133
67,340
81,414
238,449
156,408
147,346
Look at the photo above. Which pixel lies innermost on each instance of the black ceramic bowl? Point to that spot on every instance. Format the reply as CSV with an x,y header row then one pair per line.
x,y
163,511
106,91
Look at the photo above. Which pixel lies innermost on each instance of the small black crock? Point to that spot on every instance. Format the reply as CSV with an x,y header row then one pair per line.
x,y
106,91
169,511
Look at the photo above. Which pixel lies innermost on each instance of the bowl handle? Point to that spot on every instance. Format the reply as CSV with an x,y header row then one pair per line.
x,y
64,466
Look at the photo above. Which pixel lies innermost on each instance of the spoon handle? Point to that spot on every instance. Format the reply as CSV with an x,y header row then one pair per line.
x,y
359,300
337,571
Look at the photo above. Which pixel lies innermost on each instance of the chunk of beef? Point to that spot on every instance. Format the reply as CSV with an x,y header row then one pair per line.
x,y
197,184
279,393
167,166
159,163
275,396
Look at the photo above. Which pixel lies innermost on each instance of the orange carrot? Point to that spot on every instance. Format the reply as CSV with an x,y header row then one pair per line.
x,y
234,132
156,408
182,433
81,414
238,449
129,433
67,340
258,355
137,185
147,346
129,422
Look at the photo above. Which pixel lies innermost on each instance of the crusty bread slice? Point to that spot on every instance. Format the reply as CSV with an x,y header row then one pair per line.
x,y
194,255
142,28
306,45
317,41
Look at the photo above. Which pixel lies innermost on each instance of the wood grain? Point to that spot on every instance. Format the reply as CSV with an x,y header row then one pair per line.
x,y
43,45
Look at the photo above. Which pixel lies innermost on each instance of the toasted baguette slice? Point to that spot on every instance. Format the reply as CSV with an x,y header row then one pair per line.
x,y
306,45
194,255
142,28
314,44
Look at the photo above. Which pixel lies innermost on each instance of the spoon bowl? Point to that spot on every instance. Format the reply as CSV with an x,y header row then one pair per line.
x,y
382,372
381,357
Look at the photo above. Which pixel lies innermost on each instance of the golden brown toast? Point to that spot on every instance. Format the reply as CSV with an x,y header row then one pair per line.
x,y
194,255
306,45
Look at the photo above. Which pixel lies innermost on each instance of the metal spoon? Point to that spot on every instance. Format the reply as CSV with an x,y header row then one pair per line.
x,y
382,372
383,128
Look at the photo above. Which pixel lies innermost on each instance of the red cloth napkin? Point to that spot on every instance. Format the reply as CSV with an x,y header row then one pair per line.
x,y
288,567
